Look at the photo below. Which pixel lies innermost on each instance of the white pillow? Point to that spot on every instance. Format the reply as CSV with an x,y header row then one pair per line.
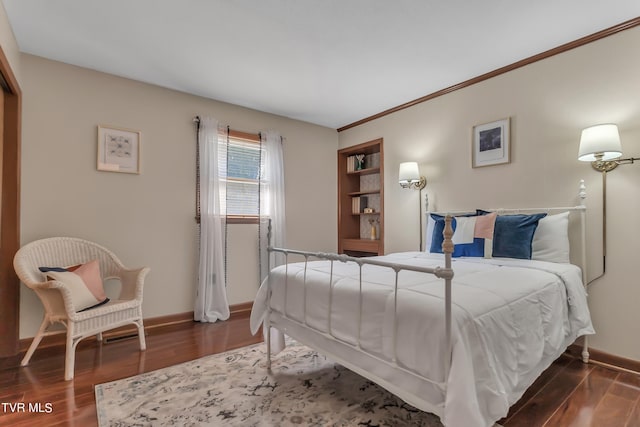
x,y
551,239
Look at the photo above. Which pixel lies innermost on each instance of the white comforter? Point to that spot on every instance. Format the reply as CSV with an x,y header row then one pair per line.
x,y
511,319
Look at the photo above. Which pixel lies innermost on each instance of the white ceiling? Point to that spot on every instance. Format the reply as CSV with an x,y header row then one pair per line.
x,y
329,62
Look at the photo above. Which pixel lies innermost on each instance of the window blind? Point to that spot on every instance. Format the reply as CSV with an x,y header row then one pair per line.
x,y
242,176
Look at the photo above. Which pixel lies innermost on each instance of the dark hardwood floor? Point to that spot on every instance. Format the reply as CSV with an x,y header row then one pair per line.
x,y
569,393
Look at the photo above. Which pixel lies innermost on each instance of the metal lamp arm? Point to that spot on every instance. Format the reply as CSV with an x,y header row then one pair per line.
x,y
608,166
628,161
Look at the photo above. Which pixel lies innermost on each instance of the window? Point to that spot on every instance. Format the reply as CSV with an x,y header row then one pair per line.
x,y
242,179
239,156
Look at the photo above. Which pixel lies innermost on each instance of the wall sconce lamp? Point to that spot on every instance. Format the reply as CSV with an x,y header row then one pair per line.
x,y
409,177
600,145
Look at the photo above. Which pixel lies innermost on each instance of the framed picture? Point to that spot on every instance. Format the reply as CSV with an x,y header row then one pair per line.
x,y
118,150
491,143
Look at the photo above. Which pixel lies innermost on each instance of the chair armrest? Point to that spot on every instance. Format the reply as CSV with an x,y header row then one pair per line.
x,y
132,282
41,286
51,304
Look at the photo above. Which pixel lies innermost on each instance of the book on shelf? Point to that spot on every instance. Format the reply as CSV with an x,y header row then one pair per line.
x,y
353,164
358,204
372,161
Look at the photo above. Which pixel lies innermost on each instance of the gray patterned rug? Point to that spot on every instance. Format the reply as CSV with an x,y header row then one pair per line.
x,y
235,389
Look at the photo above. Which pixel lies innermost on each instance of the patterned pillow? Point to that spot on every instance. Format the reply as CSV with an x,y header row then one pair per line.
x,y
84,282
472,236
429,231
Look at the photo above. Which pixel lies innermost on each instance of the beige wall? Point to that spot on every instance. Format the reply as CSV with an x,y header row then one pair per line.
x,y
149,219
549,103
8,43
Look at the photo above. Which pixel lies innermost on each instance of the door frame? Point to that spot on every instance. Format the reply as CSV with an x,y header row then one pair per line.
x,y
10,211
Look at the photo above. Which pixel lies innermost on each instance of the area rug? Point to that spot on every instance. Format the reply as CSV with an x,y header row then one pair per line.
x,y
235,389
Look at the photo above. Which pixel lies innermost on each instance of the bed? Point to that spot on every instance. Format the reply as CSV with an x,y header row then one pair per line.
x,y
461,336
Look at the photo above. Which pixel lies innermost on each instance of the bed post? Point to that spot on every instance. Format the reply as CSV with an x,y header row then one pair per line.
x,y
582,194
267,319
447,249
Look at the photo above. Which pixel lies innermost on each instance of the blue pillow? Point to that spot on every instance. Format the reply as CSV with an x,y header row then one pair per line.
x,y
513,235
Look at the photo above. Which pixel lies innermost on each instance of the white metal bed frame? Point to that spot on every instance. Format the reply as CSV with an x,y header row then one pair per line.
x,y
446,273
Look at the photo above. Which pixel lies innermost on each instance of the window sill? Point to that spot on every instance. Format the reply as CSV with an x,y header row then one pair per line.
x,y
238,220
242,219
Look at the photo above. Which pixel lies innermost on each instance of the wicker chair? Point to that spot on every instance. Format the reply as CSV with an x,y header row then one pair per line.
x,y
56,298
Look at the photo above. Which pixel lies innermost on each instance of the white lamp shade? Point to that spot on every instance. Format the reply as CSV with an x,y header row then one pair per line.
x,y
409,172
600,139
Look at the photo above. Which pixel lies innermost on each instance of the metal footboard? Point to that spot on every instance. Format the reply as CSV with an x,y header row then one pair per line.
x,y
445,273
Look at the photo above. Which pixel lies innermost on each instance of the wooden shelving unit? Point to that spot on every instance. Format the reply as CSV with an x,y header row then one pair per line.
x,y
367,185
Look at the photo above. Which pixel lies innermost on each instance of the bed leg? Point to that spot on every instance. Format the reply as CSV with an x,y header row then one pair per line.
x,y
585,350
268,339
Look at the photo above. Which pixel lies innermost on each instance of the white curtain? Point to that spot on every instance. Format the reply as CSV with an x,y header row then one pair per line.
x,y
272,208
272,205
211,297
